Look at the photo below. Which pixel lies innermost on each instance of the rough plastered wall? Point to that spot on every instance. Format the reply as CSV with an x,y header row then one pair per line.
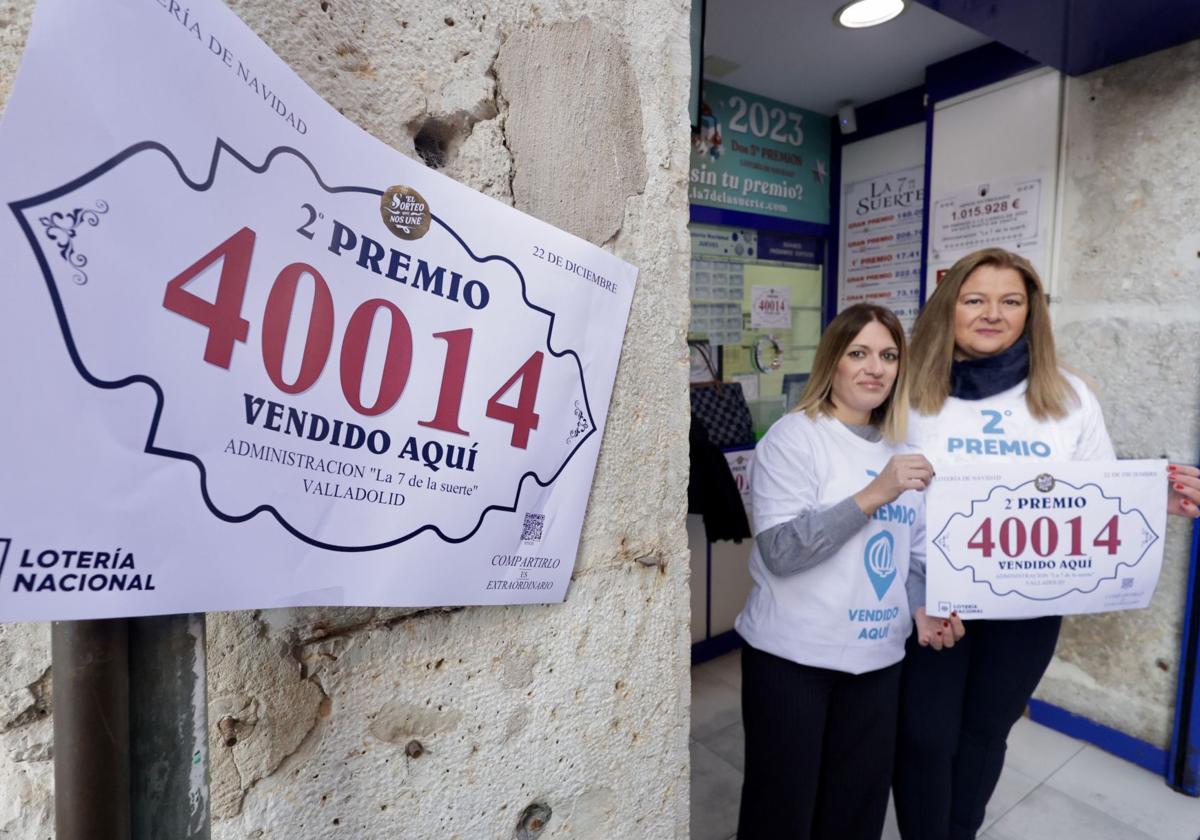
x,y
463,723
1130,319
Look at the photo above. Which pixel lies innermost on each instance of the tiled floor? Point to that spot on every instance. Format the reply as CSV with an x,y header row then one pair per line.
x,y
1053,787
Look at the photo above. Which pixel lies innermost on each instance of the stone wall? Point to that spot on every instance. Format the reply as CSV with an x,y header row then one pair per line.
x,y
1130,319
460,723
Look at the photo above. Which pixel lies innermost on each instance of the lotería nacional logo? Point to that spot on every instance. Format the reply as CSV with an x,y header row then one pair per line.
x,y
1044,482
405,212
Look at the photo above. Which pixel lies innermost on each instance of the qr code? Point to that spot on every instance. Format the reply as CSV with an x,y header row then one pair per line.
x,y
1127,583
532,531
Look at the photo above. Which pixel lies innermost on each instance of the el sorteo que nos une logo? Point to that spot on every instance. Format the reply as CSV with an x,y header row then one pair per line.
x,y
405,212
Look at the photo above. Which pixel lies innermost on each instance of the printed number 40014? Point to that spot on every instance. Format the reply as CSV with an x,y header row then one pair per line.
x,y
226,326
1042,536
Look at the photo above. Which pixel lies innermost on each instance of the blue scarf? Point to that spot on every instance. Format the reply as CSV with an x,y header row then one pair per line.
x,y
977,379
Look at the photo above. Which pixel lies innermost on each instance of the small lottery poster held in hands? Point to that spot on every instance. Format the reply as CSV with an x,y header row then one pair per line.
x,y
1054,538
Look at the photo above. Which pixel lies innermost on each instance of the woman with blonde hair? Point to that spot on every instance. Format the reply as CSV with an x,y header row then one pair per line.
x,y
838,526
984,373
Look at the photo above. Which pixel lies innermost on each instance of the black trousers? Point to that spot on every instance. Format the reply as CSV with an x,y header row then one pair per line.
x,y
819,750
957,707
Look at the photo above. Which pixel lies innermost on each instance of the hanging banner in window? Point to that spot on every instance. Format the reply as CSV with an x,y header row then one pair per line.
x,y
760,155
881,243
1053,538
255,357
993,214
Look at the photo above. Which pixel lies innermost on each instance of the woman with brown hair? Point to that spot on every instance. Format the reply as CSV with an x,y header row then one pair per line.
x,y
838,525
987,386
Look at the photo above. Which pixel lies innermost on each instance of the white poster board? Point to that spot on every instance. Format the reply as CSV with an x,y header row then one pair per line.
x,y
881,242
770,307
993,139
991,214
741,465
1051,538
255,357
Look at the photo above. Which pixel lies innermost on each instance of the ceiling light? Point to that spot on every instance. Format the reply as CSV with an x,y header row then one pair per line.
x,y
863,13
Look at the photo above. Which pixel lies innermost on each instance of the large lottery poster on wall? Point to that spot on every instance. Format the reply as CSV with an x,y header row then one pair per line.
x,y
881,243
254,357
758,155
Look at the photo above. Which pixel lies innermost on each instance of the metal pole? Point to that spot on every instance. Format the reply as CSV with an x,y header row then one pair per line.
x,y
169,725
91,729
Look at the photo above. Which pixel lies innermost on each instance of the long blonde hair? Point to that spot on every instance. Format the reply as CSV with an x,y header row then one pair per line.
x,y
890,416
1048,395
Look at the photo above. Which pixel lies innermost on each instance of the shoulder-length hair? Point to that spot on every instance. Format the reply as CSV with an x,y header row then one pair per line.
x,y
890,416
1048,395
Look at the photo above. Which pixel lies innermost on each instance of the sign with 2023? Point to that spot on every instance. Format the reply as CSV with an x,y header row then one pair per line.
x,y
760,155
255,357
1053,538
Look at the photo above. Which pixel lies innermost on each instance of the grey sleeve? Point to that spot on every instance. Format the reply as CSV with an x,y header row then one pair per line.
x,y
915,584
915,587
811,538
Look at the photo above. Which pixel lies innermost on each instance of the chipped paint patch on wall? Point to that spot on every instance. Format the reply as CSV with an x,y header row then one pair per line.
x,y
573,81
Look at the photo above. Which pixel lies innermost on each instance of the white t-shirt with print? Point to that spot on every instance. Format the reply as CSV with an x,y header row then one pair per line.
x,y
1000,428
850,612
